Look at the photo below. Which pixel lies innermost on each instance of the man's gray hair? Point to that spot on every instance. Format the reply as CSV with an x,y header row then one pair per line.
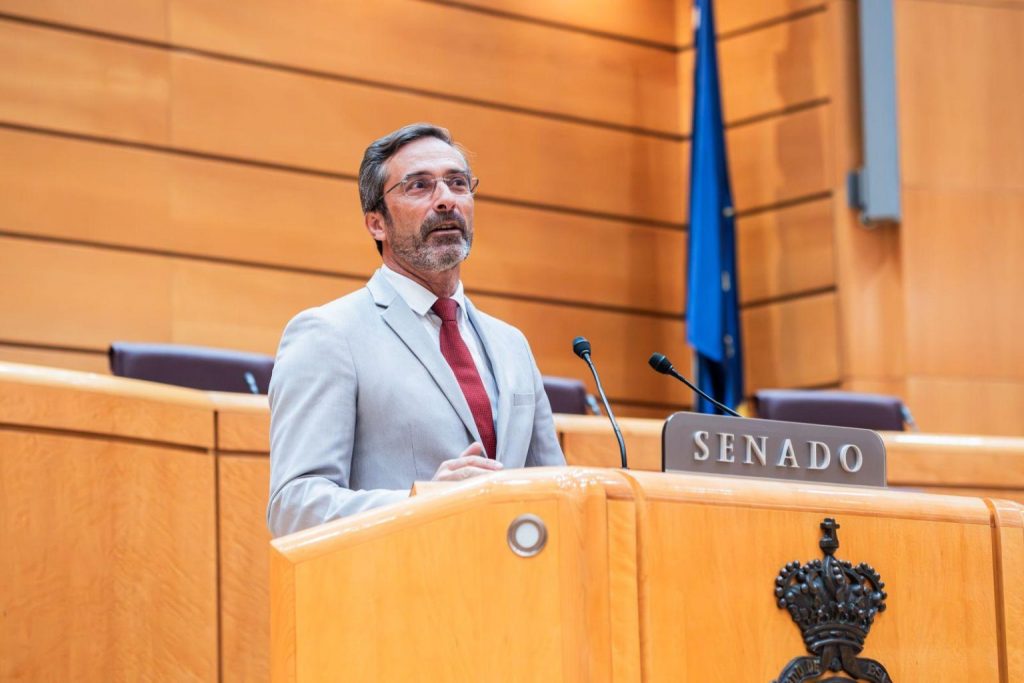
x,y
373,172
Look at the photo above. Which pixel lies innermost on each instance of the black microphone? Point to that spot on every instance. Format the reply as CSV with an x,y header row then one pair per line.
x,y
581,347
661,364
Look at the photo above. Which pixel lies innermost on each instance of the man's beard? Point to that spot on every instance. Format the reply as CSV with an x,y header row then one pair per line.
x,y
440,254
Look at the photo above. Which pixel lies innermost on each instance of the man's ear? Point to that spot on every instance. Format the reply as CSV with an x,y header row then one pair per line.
x,y
374,221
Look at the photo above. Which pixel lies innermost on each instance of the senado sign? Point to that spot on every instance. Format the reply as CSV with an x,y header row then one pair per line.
x,y
730,446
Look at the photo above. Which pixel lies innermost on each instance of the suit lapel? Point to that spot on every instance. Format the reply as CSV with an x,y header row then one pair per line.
x,y
498,366
400,318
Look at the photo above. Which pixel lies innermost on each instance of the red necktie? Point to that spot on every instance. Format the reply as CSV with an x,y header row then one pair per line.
x,y
455,351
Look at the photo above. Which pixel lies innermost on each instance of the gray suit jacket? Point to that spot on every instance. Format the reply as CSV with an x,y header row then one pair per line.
x,y
363,404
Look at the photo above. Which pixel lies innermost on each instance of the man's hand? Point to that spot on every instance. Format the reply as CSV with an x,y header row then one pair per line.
x,y
471,463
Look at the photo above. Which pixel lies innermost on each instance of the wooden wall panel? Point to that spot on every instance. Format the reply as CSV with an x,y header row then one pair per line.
x,y
955,405
585,76
964,198
90,191
869,279
541,68
868,262
57,187
649,21
962,253
84,361
967,405
145,199
81,83
737,15
657,21
276,116
110,571
95,296
779,159
564,164
204,292
768,70
242,307
792,52
774,68
961,103
256,113
243,488
139,18
785,252
961,93
565,257
622,343
791,344
61,295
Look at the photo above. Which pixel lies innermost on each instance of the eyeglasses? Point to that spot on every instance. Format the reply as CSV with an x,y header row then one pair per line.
x,y
421,185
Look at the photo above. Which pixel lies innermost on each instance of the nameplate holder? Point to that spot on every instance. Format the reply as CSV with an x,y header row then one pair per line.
x,y
772,449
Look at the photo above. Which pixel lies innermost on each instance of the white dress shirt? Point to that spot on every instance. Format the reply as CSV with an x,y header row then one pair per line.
x,y
420,300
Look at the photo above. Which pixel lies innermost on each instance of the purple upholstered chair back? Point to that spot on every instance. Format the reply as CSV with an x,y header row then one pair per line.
x,y
838,408
193,366
566,395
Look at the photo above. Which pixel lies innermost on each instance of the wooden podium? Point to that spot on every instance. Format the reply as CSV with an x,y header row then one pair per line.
x,y
643,577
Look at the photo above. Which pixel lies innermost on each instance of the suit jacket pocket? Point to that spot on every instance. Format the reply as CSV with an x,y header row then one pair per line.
x,y
523,399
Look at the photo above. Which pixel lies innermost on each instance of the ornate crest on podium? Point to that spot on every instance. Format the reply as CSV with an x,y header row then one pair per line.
x,y
834,603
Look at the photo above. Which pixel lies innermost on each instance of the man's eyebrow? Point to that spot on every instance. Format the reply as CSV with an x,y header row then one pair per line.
x,y
449,171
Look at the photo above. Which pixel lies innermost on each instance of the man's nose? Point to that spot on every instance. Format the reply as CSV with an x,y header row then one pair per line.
x,y
444,198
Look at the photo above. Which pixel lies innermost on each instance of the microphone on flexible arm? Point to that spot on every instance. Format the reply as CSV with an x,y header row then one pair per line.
x,y
581,347
661,364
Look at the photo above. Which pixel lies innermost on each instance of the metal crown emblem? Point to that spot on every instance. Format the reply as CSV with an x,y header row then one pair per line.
x,y
834,603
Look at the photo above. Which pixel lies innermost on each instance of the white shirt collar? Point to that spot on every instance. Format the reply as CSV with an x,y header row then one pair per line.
x,y
416,296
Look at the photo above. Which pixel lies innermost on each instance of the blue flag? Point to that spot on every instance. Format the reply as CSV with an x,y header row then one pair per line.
x,y
712,306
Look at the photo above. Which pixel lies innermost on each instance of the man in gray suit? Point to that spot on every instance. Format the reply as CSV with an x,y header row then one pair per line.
x,y
405,379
